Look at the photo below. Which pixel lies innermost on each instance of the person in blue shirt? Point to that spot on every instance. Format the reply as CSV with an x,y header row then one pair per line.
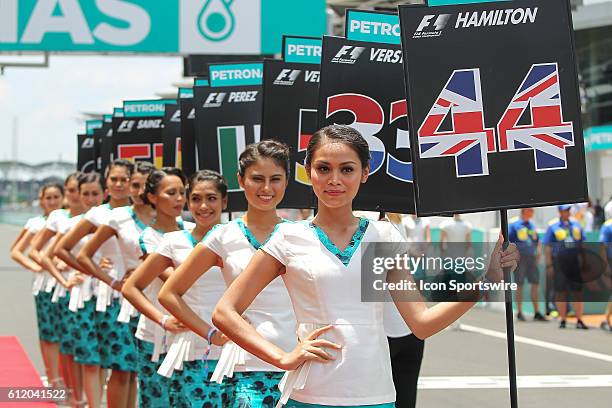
x,y
523,233
605,237
562,242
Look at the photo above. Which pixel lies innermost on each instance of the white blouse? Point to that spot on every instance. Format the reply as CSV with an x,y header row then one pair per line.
x,y
85,291
270,313
54,218
52,224
324,284
35,224
201,297
110,249
147,329
128,228
40,279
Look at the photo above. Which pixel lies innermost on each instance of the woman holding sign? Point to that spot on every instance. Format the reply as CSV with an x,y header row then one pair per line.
x,y
262,173
343,356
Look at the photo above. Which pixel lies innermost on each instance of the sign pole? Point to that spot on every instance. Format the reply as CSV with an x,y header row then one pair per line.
x,y
509,319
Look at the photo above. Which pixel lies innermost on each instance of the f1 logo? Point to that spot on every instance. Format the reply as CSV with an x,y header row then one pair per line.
x,y
348,54
287,77
88,143
126,126
214,99
354,52
438,24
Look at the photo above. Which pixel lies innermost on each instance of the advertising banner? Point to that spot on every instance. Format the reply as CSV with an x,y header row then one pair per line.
x,y
137,136
188,145
361,86
86,153
482,143
290,100
160,27
104,139
171,135
228,118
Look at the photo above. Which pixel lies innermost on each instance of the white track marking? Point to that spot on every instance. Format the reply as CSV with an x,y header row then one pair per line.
x,y
539,343
523,381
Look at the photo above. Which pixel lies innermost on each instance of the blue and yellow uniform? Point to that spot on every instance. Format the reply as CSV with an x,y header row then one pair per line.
x,y
564,238
523,234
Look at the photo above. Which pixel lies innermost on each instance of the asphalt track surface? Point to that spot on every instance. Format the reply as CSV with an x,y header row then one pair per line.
x,y
461,368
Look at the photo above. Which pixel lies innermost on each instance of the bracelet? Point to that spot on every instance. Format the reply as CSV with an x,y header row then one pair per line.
x,y
114,282
211,333
163,321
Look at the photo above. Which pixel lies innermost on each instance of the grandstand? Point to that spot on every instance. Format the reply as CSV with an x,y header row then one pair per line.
x,y
19,181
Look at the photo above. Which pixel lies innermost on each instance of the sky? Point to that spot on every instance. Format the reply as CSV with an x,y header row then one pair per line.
x,y
48,102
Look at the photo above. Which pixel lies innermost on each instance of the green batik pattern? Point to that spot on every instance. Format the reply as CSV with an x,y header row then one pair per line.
x,y
86,347
346,255
249,235
117,344
296,404
257,389
45,316
66,320
190,387
153,389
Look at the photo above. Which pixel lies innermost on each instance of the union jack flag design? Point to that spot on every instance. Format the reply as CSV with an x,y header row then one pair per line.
x,y
548,136
468,141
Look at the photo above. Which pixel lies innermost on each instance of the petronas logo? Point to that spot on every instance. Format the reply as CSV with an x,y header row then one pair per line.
x,y
216,21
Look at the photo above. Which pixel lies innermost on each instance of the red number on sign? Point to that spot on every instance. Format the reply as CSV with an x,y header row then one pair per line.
x,y
369,119
468,141
132,152
546,134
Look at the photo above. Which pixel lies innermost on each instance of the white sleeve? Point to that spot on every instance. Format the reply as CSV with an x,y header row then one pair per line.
x,y
29,224
392,241
36,225
114,218
63,226
52,221
147,244
213,241
277,244
97,215
165,246
395,235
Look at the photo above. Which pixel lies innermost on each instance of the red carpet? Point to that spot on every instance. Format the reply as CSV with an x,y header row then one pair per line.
x,y
17,370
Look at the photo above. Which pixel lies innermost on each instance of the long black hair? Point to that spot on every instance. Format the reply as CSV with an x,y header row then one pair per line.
x,y
266,149
208,176
343,134
155,178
